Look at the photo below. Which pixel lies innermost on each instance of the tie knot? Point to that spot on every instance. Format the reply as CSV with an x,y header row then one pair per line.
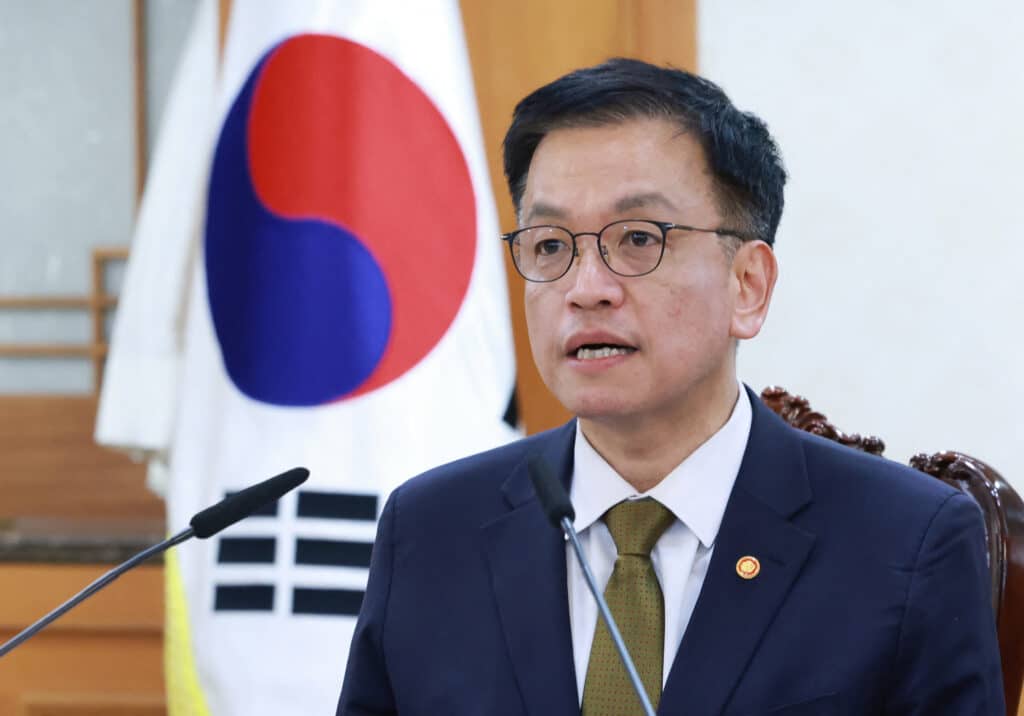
x,y
636,525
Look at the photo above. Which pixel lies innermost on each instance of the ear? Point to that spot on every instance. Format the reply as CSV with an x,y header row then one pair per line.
x,y
754,271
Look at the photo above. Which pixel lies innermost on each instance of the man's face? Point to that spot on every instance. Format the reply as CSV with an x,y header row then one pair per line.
x,y
677,324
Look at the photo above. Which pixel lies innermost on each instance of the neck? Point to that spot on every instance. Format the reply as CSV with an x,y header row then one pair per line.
x,y
645,450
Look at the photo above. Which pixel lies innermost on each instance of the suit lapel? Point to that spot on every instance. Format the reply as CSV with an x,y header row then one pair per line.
x,y
526,555
732,614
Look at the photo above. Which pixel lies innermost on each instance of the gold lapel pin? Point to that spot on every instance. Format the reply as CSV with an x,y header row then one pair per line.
x,y
748,567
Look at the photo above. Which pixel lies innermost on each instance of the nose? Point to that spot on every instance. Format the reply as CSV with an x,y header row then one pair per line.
x,y
592,283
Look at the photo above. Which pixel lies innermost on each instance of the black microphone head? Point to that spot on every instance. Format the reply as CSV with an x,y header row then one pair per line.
x,y
554,500
242,504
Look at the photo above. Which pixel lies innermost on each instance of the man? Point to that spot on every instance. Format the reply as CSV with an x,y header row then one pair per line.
x,y
754,569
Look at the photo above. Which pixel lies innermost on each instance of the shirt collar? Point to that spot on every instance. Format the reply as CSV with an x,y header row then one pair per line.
x,y
696,490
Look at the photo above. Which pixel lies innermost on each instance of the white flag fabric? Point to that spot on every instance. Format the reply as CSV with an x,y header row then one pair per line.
x,y
139,393
346,312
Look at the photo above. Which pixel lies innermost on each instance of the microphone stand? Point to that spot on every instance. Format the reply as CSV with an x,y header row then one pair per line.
x,y
203,524
97,585
606,614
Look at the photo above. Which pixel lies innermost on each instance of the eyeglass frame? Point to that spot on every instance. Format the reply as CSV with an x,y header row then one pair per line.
x,y
665,227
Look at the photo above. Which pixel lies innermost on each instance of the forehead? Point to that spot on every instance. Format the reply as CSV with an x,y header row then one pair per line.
x,y
608,171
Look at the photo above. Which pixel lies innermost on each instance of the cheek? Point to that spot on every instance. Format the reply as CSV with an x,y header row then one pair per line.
x,y
694,315
540,314
676,304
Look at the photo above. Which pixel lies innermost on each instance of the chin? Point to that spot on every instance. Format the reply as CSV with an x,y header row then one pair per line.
x,y
596,407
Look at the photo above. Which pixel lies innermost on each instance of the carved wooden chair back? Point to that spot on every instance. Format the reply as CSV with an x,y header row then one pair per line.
x,y
1001,507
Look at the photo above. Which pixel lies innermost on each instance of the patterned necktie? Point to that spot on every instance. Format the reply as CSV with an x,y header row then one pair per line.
x,y
635,599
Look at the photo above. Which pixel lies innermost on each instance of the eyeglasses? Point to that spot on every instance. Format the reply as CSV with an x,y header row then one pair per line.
x,y
633,247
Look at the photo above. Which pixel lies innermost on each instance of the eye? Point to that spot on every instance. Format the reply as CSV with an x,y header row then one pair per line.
x,y
550,247
641,238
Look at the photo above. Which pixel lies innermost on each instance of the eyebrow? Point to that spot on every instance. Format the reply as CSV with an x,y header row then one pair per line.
x,y
540,209
639,201
626,203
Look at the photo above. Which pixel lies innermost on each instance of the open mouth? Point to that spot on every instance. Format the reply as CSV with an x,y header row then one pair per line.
x,y
593,351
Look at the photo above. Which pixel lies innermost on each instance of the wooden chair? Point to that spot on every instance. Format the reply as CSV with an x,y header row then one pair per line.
x,y
1001,507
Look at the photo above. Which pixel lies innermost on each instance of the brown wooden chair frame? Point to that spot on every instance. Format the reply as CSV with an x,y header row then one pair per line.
x,y
1001,507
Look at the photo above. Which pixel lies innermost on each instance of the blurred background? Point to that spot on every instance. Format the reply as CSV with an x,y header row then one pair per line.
x,y
896,312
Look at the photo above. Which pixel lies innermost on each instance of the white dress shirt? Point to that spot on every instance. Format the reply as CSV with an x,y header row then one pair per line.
x,y
696,492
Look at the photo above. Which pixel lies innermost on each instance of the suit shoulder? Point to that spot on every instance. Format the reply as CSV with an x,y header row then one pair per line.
x,y
473,483
885,508
835,467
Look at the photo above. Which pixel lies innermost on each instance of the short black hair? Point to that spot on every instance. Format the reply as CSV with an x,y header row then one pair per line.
x,y
743,158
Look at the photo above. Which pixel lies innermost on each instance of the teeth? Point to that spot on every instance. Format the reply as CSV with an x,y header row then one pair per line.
x,y
604,352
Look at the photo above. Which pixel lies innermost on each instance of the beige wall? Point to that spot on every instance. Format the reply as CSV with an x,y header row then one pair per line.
x,y
898,306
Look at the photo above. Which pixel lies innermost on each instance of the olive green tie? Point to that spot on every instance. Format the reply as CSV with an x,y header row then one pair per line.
x,y
634,597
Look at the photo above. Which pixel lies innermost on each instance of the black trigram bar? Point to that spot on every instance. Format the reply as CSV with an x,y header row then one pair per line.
x,y
244,598
327,602
246,550
511,416
332,553
337,505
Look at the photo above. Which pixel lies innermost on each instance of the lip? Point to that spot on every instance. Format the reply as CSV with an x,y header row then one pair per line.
x,y
582,338
593,368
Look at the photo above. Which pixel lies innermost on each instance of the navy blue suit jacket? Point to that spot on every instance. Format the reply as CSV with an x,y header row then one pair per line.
x,y
873,594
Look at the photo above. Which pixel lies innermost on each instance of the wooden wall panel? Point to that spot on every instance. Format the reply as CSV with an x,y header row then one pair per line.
x,y
50,466
662,31
91,705
105,657
514,48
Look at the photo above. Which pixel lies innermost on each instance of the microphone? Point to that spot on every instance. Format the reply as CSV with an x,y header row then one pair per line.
x,y
203,524
556,505
242,504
